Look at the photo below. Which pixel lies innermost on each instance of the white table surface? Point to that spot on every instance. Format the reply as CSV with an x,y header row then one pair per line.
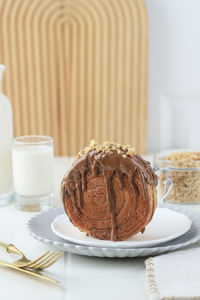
x,y
85,278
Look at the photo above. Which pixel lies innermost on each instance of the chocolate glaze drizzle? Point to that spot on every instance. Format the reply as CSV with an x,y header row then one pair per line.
x,y
95,163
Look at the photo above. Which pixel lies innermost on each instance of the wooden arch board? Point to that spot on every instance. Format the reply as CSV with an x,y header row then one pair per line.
x,y
76,70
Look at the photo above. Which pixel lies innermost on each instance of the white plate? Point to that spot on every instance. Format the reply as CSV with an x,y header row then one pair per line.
x,y
166,225
39,226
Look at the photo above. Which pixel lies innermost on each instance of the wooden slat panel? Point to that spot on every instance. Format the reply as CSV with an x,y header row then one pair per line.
x,y
76,70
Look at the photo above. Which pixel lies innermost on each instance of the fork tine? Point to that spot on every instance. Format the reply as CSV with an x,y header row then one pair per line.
x,y
52,261
35,264
36,260
40,264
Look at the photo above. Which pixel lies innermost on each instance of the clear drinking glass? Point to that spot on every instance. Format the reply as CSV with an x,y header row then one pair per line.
x,y
33,172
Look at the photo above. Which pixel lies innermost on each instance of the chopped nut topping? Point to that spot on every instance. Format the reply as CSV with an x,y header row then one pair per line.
x,y
131,152
107,148
186,182
184,157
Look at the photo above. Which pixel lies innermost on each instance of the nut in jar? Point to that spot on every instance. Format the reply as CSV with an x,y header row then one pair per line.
x,y
183,168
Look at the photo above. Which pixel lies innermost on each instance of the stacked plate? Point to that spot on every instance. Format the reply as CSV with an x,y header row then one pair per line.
x,y
172,228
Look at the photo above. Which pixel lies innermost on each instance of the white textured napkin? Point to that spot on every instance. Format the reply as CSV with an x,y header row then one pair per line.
x,y
174,275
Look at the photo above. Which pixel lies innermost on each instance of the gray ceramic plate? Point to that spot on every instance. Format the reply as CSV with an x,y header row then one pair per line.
x,y
40,228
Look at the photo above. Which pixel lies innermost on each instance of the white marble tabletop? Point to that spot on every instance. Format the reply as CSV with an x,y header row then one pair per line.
x,y
85,278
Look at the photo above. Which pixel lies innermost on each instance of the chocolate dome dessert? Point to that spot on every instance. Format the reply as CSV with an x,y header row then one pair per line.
x,y
109,192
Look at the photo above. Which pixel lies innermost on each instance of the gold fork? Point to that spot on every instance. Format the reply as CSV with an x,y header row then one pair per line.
x,y
42,262
5,264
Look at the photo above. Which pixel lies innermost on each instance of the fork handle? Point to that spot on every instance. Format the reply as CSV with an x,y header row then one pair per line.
x,y
10,248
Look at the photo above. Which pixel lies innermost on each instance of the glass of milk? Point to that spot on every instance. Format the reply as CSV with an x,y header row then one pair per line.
x,y
33,172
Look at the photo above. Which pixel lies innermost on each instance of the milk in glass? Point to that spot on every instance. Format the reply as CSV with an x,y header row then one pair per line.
x,y
33,172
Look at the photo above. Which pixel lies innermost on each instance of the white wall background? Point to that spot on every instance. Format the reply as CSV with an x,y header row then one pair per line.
x,y
174,56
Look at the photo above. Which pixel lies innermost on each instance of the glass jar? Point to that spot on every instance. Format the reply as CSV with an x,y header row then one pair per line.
x,y
181,170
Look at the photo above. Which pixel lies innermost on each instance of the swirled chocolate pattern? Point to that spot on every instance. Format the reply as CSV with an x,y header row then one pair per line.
x,y
110,194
